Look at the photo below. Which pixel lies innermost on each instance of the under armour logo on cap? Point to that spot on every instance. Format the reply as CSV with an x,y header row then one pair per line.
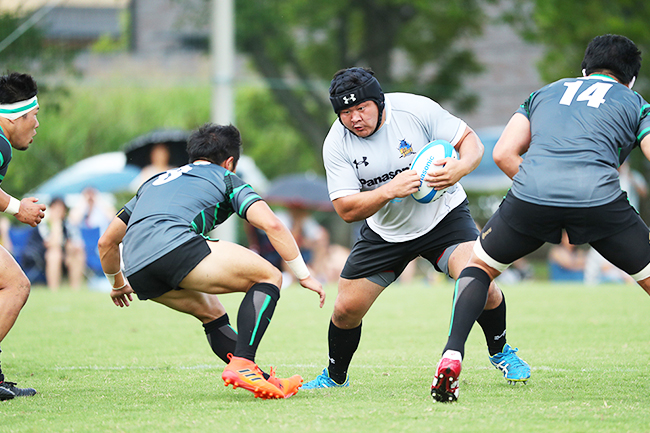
x,y
348,99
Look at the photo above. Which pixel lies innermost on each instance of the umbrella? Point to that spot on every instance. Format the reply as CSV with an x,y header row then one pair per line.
x,y
107,172
301,190
138,150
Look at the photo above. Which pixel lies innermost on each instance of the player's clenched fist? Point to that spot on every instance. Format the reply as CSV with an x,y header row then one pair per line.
x,y
30,211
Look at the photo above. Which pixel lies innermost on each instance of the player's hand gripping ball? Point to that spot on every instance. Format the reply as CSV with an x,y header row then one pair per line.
x,y
423,163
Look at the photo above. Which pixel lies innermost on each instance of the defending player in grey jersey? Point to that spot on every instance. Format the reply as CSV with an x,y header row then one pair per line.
x,y
562,149
581,129
170,259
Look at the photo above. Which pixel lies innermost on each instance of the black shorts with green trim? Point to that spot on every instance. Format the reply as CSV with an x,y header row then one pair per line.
x,y
166,273
615,230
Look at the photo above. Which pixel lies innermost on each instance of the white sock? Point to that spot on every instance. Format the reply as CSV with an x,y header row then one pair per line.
x,y
453,354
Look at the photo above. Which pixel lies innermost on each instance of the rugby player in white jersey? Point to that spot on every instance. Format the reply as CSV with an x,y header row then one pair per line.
x,y
367,155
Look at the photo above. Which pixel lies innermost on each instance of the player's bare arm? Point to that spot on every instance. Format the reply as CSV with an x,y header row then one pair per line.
x,y
357,207
260,215
470,151
109,255
513,143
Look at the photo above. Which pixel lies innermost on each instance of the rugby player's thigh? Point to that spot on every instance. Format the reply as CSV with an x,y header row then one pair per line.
x,y
230,268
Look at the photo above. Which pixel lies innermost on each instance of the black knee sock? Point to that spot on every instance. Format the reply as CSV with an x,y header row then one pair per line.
x,y
493,323
221,337
469,301
253,318
342,345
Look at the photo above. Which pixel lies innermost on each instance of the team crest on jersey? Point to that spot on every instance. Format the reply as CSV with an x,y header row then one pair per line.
x,y
405,149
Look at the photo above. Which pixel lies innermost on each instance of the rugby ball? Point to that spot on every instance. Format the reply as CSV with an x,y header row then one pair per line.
x,y
423,163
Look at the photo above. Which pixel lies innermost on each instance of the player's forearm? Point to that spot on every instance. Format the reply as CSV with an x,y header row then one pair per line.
x,y
109,256
109,246
470,152
362,205
509,165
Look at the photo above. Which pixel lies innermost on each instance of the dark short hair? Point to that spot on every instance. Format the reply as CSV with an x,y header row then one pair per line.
x,y
614,53
215,143
353,86
15,87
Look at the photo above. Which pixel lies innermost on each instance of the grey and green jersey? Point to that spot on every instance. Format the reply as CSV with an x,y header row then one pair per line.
x,y
581,130
177,205
354,164
5,154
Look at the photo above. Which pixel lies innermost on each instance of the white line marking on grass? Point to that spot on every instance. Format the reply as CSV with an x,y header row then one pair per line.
x,y
320,366
140,367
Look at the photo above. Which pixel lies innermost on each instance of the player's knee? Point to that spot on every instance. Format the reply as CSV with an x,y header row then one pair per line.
x,y
21,286
494,297
272,275
346,314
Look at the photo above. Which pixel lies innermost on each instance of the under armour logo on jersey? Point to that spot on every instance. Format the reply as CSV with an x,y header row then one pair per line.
x,y
348,99
364,161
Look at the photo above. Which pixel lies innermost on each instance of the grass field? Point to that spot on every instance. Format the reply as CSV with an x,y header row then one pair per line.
x,y
145,368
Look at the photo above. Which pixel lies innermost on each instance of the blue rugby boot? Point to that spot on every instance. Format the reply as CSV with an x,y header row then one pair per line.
x,y
323,380
514,368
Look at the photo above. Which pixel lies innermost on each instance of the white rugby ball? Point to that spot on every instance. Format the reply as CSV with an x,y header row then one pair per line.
x,y
423,163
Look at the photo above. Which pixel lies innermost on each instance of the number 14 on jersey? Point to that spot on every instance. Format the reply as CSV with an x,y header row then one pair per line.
x,y
594,95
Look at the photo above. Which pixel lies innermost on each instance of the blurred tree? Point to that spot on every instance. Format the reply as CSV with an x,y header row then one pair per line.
x,y
565,28
27,51
412,45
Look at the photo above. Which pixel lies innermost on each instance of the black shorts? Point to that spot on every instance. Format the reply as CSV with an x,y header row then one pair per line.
x,y
371,255
615,230
167,272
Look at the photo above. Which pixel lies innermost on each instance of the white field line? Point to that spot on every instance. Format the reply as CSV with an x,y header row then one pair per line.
x,y
368,367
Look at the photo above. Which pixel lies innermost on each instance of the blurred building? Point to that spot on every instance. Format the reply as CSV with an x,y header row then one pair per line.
x,y
77,23
510,72
167,26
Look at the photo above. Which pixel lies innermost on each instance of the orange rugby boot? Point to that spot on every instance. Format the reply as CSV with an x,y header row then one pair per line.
x,y
241,372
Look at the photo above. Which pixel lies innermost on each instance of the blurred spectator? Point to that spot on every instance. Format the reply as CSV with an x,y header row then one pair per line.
x,y
55,247
90,216
92,211
160,157
520,270
324,260
599,270
566,261
633,183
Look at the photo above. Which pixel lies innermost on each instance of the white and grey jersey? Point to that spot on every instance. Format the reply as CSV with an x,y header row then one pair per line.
x,y
355,164
581,130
